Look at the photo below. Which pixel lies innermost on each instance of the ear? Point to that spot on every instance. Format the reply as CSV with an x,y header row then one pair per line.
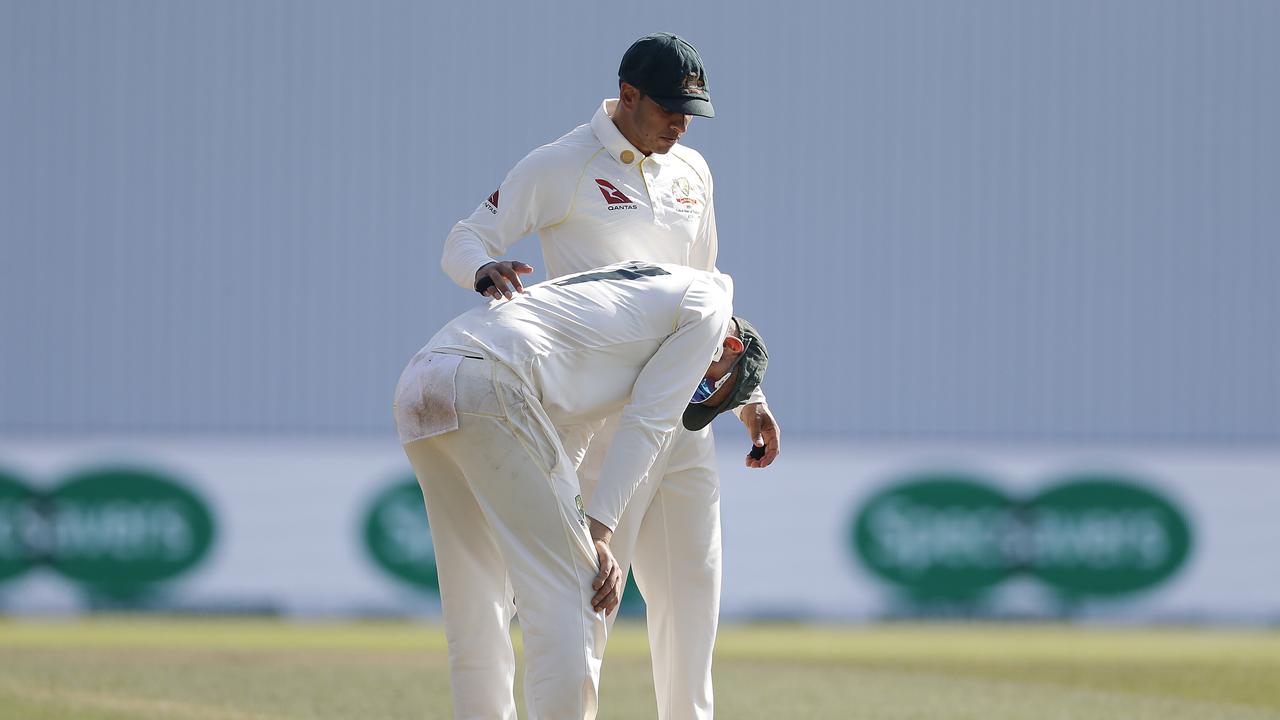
x,y
733,344
628,95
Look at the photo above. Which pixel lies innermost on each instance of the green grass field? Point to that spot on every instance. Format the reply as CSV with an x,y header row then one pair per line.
x,y
266,670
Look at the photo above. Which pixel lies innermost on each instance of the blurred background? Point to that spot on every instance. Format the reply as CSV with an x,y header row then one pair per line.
x,y
1015,261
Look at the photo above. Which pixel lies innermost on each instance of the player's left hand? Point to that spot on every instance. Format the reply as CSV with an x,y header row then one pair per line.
x,y
608,582
764,432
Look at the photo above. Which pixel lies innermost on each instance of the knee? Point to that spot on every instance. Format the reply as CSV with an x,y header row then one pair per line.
x,y
473,630
564,683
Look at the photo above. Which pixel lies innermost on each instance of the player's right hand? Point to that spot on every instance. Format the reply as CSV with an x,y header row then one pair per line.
x,y
504,276
608,582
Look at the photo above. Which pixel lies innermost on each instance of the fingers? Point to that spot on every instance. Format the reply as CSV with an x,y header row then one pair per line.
x,y
766,458
770,436
511,279
492,292
608,582
607,598
506,278
772,442
499,288
499,274
606,564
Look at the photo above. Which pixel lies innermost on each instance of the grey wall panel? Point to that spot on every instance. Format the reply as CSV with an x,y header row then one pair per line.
x,y
983,218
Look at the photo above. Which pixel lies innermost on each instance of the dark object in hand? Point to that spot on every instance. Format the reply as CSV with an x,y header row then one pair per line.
x,y
483,284
757,452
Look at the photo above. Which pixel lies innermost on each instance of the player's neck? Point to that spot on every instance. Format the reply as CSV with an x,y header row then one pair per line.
x,y
628,130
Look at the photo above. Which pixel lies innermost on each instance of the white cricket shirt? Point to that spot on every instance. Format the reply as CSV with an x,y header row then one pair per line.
x,y
635,337
594,200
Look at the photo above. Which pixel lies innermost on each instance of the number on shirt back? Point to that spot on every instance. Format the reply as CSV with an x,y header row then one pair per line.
x,y
630,271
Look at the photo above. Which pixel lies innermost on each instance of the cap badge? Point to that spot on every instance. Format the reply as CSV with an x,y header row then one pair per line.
x,y
694,85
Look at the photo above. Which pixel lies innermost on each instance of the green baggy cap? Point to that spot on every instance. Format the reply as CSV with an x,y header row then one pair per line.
x,y
669,70
749,374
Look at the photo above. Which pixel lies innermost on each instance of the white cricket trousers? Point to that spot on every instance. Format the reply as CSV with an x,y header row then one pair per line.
x,y
502,500
669,534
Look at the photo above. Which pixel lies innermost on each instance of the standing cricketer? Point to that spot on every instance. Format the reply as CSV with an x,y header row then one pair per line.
x,y
622,188
478,410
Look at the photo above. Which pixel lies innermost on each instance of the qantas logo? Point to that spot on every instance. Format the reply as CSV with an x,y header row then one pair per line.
x,y
613,196
492,202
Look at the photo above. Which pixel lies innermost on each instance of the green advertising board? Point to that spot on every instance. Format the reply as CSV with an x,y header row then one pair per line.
x,y
956,536
18,518
116,530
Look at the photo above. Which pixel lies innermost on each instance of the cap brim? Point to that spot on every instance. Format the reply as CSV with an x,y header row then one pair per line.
x,y
687,106
698,416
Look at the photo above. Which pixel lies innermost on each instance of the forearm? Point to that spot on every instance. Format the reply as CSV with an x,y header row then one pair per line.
x,y
757,396
600,531
464,254
631,455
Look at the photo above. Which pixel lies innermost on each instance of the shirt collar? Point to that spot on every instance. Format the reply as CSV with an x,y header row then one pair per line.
x,y
612,138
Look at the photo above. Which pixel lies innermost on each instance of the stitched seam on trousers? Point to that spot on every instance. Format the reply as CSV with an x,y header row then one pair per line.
x,y
666,548
546,475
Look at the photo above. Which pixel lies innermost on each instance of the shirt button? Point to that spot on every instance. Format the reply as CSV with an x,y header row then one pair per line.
x,y
627,157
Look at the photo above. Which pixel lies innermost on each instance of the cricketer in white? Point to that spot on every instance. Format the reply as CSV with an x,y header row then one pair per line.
x,y
572,192
623,187
478,409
